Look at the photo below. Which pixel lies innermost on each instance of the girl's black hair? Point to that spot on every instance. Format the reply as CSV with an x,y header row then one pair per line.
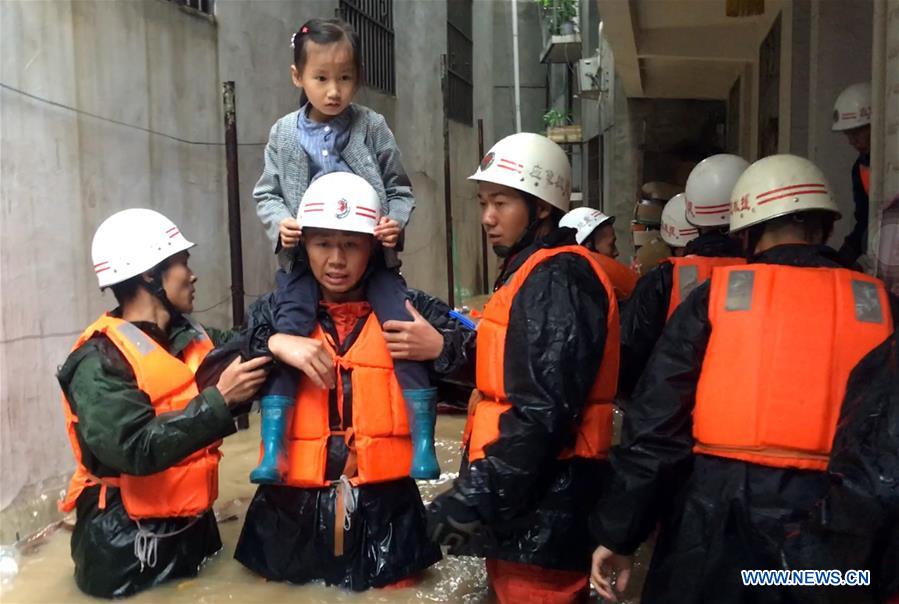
x,y
325,31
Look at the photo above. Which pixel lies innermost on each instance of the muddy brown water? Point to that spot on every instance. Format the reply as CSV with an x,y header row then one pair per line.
x,y
45,567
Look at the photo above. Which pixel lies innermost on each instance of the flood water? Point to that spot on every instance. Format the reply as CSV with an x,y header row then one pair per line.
x,y
45,567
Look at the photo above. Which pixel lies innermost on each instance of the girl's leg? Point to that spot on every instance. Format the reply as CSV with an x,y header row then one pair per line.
x,y
387,296
294,312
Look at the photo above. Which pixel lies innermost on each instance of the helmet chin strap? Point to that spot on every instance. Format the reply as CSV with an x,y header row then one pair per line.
x,y
154,286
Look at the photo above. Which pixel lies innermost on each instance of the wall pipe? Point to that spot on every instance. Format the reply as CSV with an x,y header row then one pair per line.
x,y
517,81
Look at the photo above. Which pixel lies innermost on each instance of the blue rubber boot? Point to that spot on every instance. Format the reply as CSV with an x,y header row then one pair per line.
x,y
421,407
275,416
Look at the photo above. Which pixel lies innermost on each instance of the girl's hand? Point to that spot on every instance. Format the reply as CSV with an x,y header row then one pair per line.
x,y
290,232
388,231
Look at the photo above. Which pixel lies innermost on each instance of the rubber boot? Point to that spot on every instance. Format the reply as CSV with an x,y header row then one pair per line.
x,y
421,407
275,415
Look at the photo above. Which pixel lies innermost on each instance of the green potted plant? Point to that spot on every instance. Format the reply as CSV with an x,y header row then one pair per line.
x,y
560,15
559,129
555,120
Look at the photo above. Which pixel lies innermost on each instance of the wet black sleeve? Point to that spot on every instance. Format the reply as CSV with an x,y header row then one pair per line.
x,y
655,453
864,458
458,341
556,334
259,326
642,322
856,525
865,453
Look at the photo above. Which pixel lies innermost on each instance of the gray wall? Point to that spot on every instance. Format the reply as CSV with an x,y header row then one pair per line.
x,y
532,73
416,117
621,158
799,85
152,67
840,44
494,102
485,73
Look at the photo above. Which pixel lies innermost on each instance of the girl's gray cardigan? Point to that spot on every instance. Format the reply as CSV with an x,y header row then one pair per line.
x,y
371,152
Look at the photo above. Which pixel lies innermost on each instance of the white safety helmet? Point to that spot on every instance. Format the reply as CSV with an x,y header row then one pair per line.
x,y
709,186
530,163
776,186
676,231
341,201
133,241
852,109
584,221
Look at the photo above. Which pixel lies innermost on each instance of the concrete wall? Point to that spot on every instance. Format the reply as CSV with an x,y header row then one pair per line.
x,y
485,73
840,44
416,118
151,67
621,143
466,213
885,142
532,73
886,102
799,55
494,102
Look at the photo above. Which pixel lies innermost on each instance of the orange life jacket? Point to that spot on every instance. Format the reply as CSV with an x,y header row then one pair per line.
x,y
189,487
594,434
377,429
692,271
623,278
864,173
783,342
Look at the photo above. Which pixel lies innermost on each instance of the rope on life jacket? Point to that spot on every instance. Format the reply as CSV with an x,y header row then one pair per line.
x,y
146,543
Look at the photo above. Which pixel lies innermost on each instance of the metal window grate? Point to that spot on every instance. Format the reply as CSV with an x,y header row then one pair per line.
x,y
459,48
203,6
373,20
